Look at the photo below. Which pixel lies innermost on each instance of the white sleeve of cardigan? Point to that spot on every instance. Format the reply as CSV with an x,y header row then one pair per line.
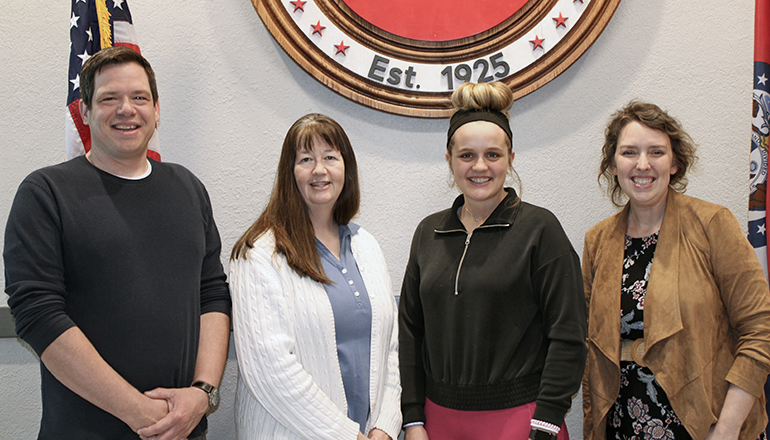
x,y
264,342
390,414
389,418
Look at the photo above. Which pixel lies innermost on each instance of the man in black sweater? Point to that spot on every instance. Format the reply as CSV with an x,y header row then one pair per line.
x,y
114,277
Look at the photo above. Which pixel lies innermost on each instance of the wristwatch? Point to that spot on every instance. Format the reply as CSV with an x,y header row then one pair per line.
x,y
536,434
211,390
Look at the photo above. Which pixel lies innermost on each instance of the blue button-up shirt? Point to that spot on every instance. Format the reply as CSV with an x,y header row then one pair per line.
x,y
352,322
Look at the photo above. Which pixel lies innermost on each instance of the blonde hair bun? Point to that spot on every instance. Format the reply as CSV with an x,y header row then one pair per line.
x,y
494,96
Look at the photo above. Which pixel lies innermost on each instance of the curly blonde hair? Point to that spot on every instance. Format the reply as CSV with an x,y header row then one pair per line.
x,y
652,116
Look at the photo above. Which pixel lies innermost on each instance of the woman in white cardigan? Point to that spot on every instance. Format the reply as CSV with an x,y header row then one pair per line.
x,y
313,309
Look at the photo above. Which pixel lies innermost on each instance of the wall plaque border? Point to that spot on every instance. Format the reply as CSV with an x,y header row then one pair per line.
x,y
416,77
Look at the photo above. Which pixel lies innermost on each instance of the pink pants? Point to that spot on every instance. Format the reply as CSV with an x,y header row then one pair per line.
x,y
501,424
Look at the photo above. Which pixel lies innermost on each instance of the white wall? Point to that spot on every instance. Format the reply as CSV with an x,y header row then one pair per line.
x,y
228,93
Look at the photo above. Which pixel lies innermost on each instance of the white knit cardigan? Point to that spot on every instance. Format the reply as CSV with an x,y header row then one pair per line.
x,y
289,382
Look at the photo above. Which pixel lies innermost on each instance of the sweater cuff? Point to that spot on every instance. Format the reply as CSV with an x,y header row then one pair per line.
x,y
413,413
549,413
44,331
748,374
391,424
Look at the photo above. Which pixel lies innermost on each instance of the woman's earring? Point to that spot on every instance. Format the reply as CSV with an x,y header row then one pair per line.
x,y
509,180
450,181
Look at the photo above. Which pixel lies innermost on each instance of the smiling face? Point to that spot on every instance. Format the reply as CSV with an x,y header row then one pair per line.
x,y
480,161
643,164
122,116
320,177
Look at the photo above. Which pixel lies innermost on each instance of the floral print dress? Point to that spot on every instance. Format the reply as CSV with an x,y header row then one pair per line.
x,y
642,410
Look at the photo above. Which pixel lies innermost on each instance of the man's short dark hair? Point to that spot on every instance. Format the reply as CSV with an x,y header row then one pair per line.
x,y
116,55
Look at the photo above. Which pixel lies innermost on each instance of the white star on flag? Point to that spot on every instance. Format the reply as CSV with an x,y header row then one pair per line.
x,y
762,79
85,56
74,21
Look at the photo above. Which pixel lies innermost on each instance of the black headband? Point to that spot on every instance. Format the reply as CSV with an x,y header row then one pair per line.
x,y
462,117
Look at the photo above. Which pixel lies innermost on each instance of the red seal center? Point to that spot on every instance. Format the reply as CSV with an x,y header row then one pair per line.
x,y
435,20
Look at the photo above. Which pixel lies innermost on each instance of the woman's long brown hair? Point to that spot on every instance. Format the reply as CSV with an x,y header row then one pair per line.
x,y
286,213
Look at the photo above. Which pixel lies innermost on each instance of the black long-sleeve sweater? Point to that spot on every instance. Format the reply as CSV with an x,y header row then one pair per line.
x,y
494,319
131,263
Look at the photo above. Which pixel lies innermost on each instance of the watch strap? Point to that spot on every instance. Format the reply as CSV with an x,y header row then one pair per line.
x,y
536,434
209,389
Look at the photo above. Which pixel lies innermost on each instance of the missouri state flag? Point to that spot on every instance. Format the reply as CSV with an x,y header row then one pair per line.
x,y
760,128
94,24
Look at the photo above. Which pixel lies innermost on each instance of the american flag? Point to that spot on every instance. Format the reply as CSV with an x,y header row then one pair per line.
x,y
95,24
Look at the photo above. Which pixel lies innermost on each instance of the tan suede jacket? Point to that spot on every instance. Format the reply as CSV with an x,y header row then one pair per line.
x,y
706,316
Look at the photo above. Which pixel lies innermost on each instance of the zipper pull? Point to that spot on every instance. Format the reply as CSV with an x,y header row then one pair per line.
x,y
457,278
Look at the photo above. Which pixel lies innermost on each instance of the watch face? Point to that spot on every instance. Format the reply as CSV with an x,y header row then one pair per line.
x,y
214,398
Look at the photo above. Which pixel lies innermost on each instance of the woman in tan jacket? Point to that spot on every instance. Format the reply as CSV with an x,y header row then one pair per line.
x,y
683,349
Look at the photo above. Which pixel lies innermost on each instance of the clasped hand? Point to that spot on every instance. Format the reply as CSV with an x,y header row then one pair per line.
x,y
185,408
